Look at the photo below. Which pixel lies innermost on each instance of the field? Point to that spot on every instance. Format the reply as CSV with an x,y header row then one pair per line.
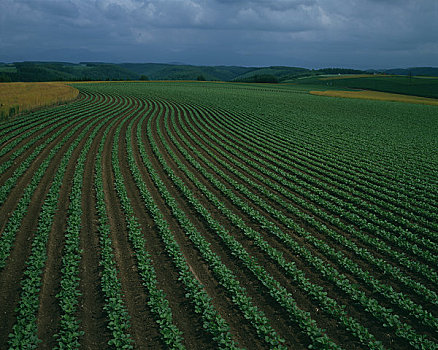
x,y
22,97
396,84
376,95
196,215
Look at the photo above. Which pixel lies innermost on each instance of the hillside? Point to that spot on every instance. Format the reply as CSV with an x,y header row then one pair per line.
x,y
416,81
415,71
416,86
280,72
159,71
63,71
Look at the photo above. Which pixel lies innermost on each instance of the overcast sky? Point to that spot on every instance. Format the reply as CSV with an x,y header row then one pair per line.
x,y
305,33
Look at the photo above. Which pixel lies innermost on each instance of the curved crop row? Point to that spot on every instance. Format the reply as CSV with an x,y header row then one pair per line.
x,y
10,183
42,131
340,151
68,335
14,222
291,181
337,201
111,287
302,318
338,183
25,329
412,264
192,215
158,303
288,149
403,301
31,125
223,274
213,322
378,311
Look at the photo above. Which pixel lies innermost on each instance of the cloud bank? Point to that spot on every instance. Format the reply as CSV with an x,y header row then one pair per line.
x,y
309,33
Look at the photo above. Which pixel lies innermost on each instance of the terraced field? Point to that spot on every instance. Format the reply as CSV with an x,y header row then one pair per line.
x,y
184,215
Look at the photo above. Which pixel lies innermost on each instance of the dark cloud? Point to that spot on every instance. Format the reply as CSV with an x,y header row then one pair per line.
x,y
66,8
312,33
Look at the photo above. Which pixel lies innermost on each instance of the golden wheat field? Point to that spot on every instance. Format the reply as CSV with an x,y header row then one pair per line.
x,y
21,97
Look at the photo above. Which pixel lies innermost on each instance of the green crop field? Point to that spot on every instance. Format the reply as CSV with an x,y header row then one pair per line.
x,y
205,215
415,86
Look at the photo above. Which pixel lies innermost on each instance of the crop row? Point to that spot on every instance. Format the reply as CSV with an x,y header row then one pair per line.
x,y
292,177
224,275
303,319
341,182
18,122
332,163
307,204
352,157
276,256
10,183
110,284
341,281
14,222
42,130
212,321
158,303
328,190
69,333
30,125
293,239
25,330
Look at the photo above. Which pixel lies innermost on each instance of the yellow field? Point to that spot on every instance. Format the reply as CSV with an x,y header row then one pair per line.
x,y
21,97
375,95
350,76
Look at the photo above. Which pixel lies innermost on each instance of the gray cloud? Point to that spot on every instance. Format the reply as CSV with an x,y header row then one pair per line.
x,y
65,8
313,33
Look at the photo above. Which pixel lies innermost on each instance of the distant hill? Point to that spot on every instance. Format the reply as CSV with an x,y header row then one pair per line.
x,y
279,72
415,71
65,71
160,71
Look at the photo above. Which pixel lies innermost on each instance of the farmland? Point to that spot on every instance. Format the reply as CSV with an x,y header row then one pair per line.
x,y
376,95
218,215
23,97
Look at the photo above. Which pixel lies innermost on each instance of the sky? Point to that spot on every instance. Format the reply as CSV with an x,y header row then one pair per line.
x,y
361,34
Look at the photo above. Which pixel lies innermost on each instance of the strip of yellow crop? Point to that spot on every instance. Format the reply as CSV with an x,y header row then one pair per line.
x,y
22,97
350,76
375,95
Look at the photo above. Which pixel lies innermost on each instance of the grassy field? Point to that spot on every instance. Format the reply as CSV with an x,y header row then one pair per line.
x,y
377,95
22,97
415,86
196,215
